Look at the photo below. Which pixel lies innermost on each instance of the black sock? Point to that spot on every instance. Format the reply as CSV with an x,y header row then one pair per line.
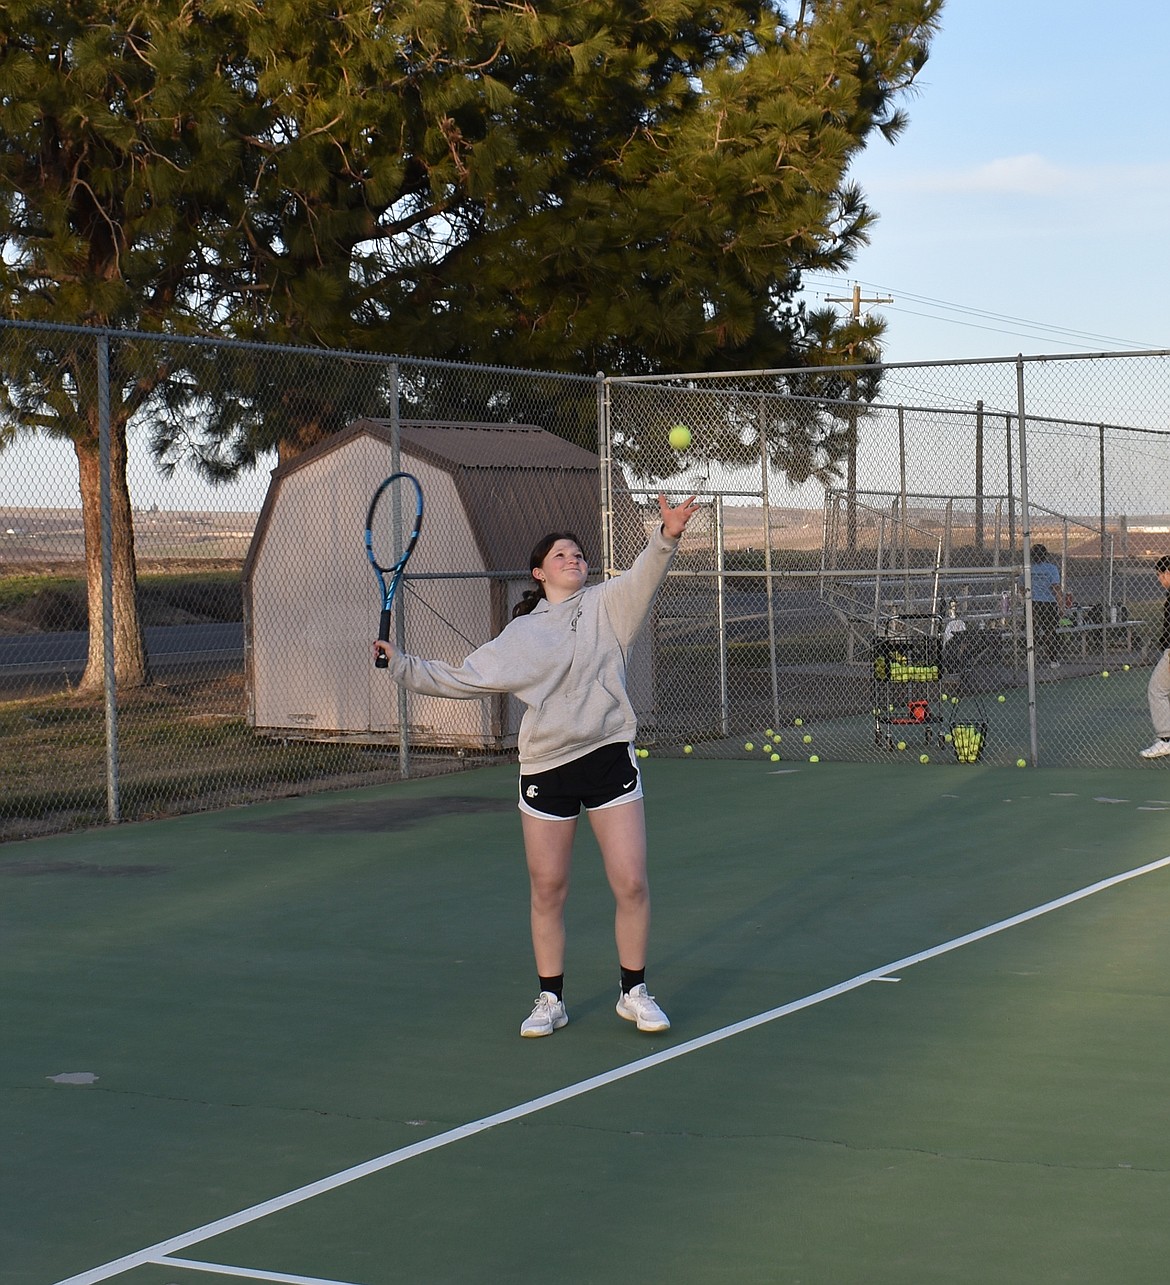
x,y
554,985
632,977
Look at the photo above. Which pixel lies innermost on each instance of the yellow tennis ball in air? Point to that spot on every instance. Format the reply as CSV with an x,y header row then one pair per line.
x,y
798,722
1021,763
775,758
1001,699
748,745
1126,668
688,749
680,437
1104,673
924,758
806,739
901,745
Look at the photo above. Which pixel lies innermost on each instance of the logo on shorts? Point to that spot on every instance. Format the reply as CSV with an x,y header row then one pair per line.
x,y
532,791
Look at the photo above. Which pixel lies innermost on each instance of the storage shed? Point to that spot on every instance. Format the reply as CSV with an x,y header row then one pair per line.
x,y
311,604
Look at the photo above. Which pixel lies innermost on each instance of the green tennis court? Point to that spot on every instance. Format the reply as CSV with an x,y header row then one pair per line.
x,y
919,1036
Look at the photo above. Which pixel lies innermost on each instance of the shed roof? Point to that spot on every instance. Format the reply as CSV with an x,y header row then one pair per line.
x,y
492,446
515,481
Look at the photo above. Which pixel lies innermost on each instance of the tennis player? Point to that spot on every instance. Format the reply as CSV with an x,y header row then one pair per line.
x,y
1158,688
564,654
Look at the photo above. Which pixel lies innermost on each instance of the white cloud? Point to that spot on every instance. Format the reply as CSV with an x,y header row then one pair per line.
x,y
1028,175
1033,175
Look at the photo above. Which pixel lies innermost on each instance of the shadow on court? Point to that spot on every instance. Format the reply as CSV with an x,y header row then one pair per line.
x,y
919,1019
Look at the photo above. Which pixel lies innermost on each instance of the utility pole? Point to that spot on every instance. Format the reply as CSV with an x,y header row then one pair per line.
x,y
855,301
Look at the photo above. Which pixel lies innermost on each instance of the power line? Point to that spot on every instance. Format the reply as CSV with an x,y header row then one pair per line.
x,y
1085,337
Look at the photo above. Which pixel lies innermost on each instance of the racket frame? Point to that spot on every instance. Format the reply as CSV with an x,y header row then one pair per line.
x,y
388,591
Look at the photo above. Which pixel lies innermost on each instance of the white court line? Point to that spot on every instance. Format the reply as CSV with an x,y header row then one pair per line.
x,y
156,1253
249,1273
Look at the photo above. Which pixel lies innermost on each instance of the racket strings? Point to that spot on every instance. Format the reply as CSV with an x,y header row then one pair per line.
x,y
393,523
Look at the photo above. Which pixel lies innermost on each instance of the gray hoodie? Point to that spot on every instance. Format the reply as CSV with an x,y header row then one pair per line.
x,y
566,662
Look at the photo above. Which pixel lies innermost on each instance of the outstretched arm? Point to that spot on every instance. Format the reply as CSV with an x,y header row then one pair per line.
x,y
629,595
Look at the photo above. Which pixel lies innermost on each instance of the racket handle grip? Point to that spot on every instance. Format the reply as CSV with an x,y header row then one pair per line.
x,y
382,660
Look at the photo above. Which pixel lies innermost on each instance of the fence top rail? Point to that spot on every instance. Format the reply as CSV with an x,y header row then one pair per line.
x,y
299,350
665,378
1019,359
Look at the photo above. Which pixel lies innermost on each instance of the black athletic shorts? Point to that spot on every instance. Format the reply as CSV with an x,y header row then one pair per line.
x,y
599,779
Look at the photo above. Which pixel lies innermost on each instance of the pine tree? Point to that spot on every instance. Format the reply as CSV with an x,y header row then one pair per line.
x,y
112,157
567,184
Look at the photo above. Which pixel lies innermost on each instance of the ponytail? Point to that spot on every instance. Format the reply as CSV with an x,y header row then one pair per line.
x,y
528,601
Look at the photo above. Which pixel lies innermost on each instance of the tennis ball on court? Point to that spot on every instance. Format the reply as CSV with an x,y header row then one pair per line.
x,y
1001,699
806,739
1021,763
1104,673
814,758
775,758
901,745
688,749
680,437
924,758
748,745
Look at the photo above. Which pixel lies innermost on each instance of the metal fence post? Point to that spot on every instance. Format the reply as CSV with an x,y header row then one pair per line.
x,y
767,518
1026,536
399,619
721,619
109,676
605,468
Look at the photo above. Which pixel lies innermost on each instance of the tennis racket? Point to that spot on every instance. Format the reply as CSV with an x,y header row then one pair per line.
x,y
392,526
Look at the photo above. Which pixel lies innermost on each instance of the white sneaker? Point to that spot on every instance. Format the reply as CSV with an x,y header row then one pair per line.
x,y
639,1006
548,1015
1157,750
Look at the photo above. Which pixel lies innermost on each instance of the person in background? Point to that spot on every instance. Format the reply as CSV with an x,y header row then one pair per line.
x,y
1046,600
1158,689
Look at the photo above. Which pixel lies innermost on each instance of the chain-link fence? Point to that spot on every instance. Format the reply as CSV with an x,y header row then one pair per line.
x,y
870,579
186,610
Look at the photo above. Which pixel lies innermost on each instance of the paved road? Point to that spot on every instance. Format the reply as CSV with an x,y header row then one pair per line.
x,y
28,655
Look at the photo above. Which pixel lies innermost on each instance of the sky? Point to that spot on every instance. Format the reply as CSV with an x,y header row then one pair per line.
x,y
1026,208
